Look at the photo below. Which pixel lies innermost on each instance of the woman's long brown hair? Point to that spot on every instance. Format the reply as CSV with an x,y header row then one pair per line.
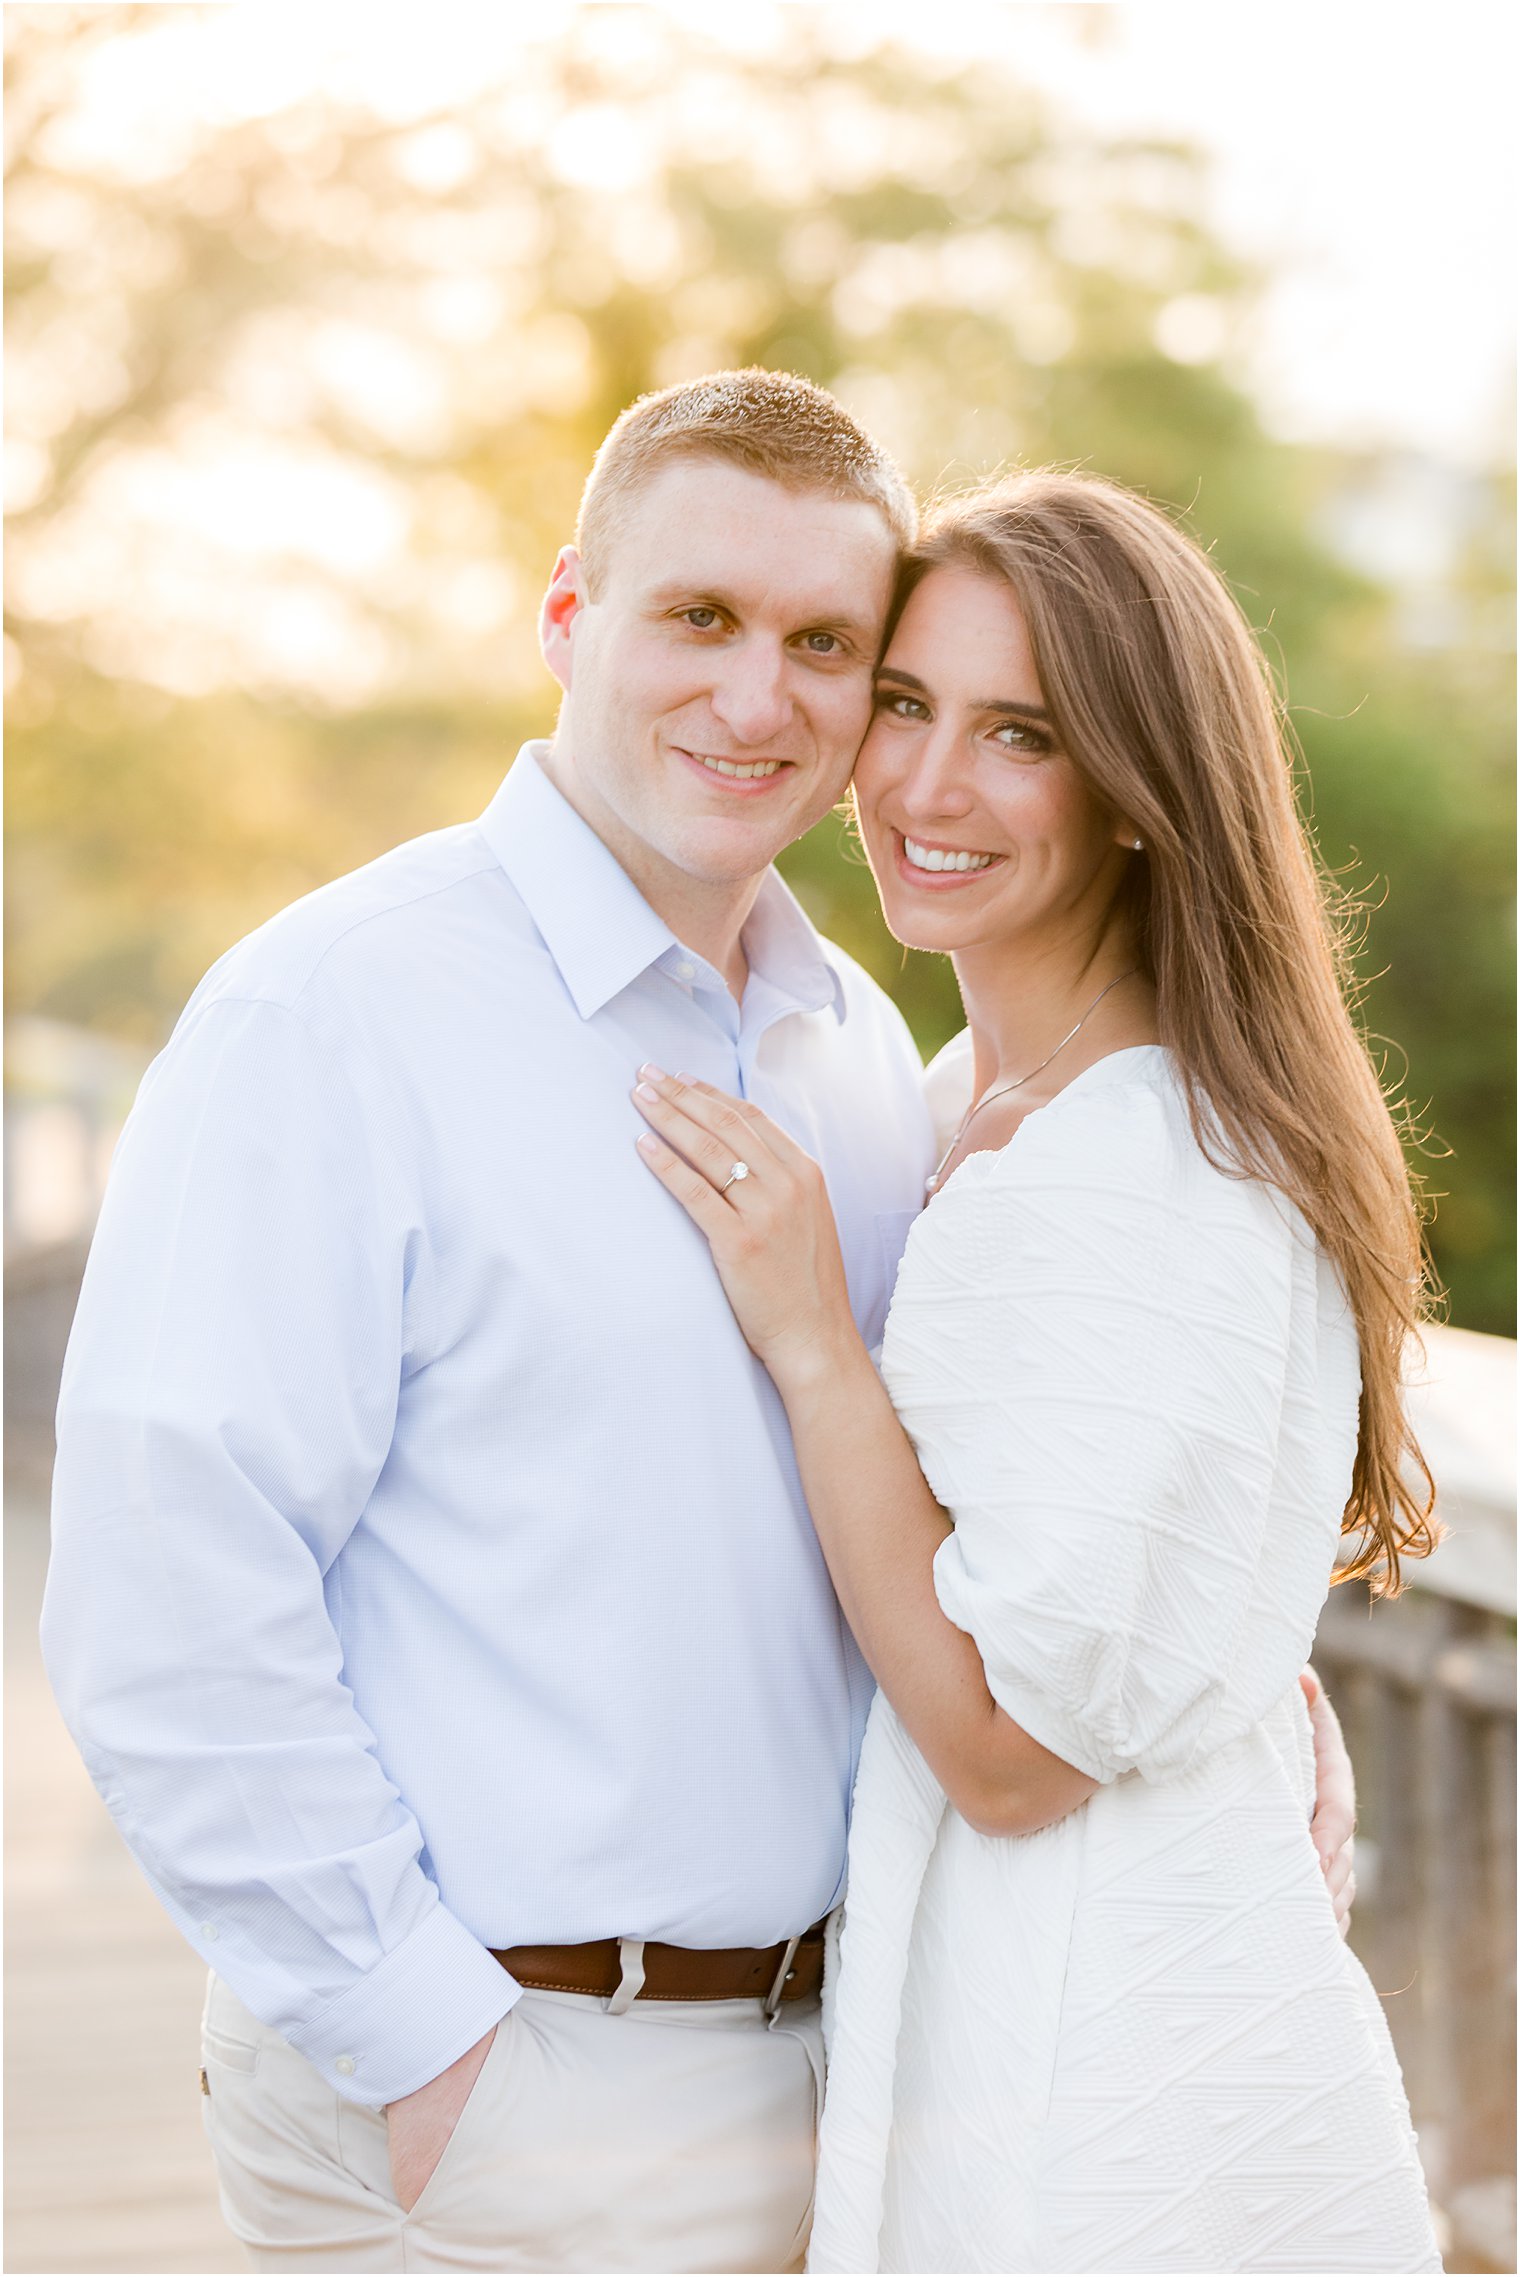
x,y
1160,695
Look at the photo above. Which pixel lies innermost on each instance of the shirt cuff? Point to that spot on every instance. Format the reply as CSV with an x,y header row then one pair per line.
x,y
428,2001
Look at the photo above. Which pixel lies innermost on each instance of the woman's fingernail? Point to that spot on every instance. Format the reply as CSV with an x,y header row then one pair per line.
x,y
656,1074
648,1143
646,1091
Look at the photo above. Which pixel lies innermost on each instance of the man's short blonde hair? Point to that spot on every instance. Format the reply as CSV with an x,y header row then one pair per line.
x,y
769,423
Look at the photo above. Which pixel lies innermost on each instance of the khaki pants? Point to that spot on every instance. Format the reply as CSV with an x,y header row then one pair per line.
x,y
674,2137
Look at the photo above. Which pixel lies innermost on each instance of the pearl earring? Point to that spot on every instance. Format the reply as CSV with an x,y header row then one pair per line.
x,y
1139,848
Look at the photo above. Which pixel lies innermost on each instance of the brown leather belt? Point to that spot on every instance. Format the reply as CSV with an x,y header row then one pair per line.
x,y
789,1971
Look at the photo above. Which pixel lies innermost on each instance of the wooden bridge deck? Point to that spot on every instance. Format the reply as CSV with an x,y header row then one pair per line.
x,y
106,2168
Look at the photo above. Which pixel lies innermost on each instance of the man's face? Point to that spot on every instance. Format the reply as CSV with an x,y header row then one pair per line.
x,y
719,686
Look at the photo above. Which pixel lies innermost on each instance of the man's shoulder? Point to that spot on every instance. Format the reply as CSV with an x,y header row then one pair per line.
x,y
369,914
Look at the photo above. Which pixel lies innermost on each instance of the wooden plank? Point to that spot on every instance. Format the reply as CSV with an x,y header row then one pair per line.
x,y
106,2165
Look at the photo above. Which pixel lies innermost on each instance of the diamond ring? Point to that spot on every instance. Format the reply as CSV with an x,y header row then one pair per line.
x,y
740,1170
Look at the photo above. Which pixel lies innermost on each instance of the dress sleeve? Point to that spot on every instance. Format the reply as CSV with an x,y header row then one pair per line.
x,y
1106,1325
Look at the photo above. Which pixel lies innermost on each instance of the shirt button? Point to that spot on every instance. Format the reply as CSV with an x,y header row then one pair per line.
x,y
685,970
345,2064
210,1932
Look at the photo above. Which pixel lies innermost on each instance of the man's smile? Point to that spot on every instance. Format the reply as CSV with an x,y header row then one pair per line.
x,y
739,777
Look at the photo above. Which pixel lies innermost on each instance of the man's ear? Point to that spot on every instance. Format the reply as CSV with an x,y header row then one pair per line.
x,y
562,604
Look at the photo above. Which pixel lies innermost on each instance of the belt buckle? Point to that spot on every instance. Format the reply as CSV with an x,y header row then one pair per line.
x,y
771,2007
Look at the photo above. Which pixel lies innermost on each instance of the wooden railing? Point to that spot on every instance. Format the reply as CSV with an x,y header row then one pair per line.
x,y
1425,1688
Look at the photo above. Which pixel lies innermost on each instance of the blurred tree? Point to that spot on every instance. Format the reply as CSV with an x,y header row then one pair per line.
x,y
422,327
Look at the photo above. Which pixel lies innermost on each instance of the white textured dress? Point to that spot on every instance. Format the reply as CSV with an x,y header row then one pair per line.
x,y
1135,2040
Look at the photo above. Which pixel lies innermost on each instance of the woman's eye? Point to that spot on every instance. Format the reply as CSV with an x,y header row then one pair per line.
x,y
1018,735
899,706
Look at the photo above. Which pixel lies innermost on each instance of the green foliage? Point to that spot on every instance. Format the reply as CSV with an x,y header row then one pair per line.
x,y
980,281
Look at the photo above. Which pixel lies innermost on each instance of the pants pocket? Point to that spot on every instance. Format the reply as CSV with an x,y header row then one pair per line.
x,y
809,2032
364,2137
229,2035
271,2120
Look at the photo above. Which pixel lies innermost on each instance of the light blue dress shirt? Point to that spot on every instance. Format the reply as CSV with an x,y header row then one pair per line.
x,y
430,1569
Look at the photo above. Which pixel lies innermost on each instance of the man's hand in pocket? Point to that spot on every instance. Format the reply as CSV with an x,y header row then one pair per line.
x,y
419,2125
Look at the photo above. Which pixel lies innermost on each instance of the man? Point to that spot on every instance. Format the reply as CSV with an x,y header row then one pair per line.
x,y
433,1599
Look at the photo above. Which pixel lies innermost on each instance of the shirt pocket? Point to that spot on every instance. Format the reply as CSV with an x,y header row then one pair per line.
x,y
892,1230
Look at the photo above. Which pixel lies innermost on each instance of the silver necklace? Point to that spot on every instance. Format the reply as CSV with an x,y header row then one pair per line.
x,y
931,1183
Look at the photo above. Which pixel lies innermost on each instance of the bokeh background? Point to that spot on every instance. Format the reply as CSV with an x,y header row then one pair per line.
x,y
314,320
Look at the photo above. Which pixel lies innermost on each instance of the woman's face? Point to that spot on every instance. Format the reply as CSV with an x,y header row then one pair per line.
x,y
978,828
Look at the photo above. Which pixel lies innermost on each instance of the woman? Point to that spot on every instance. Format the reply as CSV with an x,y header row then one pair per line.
x,y
1092,2011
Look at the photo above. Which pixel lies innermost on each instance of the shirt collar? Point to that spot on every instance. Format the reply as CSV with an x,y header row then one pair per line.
x,y
598,927
784,952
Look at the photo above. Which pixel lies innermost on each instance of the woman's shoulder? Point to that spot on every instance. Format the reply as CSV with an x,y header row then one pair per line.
x,y
1125,1087
1122,1142
1126,1114
1142,1083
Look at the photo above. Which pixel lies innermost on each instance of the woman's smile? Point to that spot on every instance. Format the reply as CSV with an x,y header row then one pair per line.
x,y
932,866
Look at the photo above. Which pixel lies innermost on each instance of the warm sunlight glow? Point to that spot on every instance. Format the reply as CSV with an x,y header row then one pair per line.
x,y
429,335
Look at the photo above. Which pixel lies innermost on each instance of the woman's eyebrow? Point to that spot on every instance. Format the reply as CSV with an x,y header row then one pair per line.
x,y
982,703
1012,704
